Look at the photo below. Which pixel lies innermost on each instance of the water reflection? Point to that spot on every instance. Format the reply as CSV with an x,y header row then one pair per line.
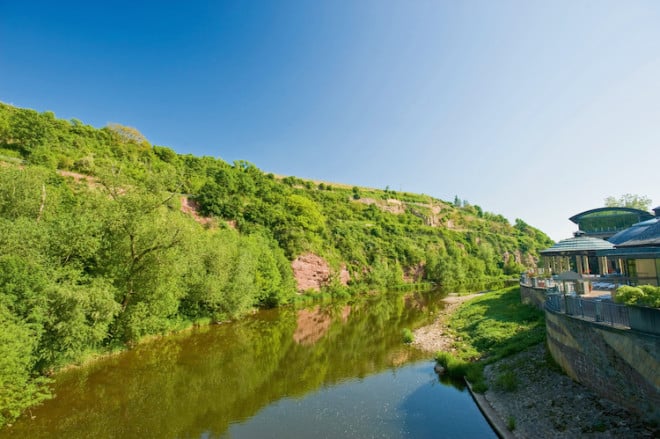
x,y
399,403
197,384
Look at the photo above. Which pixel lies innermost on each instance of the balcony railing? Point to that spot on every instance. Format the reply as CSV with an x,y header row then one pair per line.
x,y
595,310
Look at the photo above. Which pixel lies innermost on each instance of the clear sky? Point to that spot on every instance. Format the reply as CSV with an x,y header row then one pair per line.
x,y
532,109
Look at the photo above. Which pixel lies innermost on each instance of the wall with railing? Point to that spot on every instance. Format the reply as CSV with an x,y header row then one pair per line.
x,y
592,342
593,310
612,349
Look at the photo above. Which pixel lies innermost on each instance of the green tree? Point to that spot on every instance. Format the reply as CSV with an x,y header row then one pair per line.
x,y
19,388
629,200
140,254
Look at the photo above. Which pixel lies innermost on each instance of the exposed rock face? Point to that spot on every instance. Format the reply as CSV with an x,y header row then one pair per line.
x,y
312,272
191,207
391,205
394,206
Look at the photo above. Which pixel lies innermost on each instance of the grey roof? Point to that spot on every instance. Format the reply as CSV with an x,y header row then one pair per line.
x,y
632,232
650,236
576,245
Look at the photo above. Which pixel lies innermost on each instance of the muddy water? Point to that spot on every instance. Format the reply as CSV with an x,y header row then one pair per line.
x,y
334,371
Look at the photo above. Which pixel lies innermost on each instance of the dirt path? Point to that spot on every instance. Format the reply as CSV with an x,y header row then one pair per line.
x,y
436,336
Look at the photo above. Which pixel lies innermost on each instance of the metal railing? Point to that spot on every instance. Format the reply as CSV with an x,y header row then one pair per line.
x,y
596,310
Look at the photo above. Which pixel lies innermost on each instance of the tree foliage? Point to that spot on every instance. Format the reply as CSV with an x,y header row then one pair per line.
x,y
629,200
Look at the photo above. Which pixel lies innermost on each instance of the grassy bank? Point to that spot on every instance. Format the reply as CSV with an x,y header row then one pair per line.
x,y
487,328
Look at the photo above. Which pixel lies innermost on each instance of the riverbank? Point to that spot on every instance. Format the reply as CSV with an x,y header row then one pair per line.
x,y
529,393
436,336
541,401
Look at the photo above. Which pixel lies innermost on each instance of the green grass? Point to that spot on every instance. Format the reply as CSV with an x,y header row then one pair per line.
x,y
488,328
511,423
506,381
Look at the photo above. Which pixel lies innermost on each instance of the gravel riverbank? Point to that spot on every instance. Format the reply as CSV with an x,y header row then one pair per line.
x,y
542,402
436,336
529,393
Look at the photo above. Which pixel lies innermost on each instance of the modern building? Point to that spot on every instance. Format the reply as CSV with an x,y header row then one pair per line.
x,y
578,254
637,250
604,222
618,243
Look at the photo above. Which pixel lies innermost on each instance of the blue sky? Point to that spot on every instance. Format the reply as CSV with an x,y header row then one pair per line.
x,y
533,109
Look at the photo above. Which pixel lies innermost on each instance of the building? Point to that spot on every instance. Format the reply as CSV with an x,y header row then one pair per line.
x,y
578,254
617,243
637,251
605,222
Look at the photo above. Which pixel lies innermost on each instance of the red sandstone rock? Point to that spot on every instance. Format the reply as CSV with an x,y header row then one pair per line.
x,y
312,272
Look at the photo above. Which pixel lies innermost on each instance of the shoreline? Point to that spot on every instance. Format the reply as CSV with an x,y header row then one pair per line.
x,y
436,336
544,402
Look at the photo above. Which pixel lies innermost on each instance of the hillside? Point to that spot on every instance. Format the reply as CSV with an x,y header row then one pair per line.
x,y
105,239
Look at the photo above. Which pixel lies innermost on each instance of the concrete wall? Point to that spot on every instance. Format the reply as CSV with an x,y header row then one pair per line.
x,y
619,364
645,319
532,296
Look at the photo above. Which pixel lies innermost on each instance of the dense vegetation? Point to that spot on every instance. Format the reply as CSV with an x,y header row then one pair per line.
x,y
90,263
643,295
490,327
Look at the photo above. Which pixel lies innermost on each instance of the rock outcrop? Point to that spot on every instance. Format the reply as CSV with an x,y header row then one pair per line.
x,y
313,272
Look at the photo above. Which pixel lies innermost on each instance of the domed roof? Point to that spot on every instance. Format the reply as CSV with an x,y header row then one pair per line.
x,y
577,244
632,232
648,236
611,211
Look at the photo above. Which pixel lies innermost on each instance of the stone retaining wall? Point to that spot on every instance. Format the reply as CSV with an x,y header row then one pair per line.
x,y
533,296
619,364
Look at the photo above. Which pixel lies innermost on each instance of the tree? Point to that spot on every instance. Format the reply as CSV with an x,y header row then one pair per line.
x,y
18,388
629,200
128,134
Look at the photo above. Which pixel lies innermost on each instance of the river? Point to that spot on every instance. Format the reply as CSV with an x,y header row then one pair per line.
x,y
337,370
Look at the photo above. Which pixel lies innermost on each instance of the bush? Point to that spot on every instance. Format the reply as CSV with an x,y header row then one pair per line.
x,y
645,295
407,336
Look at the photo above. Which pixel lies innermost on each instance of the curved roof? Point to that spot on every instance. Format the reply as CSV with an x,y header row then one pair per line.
x,y
614,210
650,236
632,232
576,245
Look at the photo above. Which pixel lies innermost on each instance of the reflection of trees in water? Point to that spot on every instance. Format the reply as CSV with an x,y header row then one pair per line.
x,y
189,384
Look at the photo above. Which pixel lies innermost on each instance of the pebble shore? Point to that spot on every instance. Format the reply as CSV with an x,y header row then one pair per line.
x,y
548,404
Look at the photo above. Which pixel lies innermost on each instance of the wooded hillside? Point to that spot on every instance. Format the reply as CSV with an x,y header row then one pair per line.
x,y
97,252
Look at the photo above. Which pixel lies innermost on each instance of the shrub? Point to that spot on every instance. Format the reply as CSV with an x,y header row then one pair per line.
x,y
407,335
645,295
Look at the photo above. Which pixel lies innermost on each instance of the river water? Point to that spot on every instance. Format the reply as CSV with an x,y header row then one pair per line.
x,y
328,371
